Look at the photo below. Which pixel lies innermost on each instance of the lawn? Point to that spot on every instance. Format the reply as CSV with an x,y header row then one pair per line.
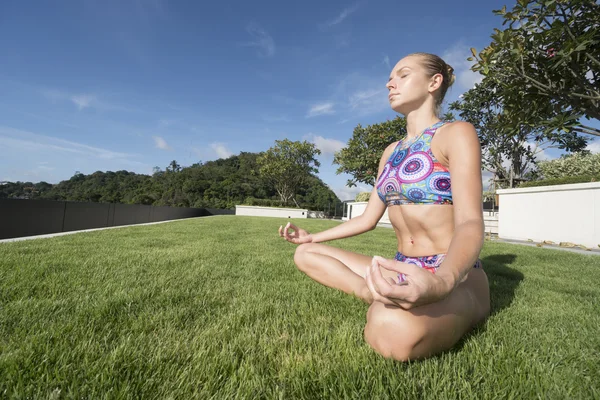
x,y
215,308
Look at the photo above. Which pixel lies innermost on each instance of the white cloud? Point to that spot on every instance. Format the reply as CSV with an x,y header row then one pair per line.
x,y
327,146
539,153
83,100
349,193
221,150
165,123
23,141
486,177
386,62
369,100
341,17
276,118
456,57
594,146
320,109
342,40
161,143
261,39
53,95
360,95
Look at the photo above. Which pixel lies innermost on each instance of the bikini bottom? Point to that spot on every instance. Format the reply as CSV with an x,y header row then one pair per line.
x,y
430,263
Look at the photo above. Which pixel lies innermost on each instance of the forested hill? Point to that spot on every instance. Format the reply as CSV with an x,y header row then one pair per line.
x,y
222,183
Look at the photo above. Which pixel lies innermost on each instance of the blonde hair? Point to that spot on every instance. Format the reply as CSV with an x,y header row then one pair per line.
x,y
435,65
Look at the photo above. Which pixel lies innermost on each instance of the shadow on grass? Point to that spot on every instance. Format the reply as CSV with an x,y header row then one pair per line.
x,y
503,282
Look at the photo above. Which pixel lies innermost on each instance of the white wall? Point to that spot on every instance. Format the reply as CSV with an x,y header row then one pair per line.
x,y
356,208
560,213
271,212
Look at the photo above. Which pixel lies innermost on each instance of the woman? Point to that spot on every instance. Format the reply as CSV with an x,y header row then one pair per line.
x,y
434,291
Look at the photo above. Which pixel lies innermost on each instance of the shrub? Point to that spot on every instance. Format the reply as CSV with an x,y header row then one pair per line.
x,y
363,196
251,201
570,166
562,181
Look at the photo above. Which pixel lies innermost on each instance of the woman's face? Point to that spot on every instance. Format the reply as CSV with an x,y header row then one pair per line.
x,y
409,86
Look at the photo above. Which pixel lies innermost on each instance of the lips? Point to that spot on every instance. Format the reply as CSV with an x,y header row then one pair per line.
x,y
392,95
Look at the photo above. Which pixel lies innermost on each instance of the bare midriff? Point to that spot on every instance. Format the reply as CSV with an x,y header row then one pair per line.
x,y
422,229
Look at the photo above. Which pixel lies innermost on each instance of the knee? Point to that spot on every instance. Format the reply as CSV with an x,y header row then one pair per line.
x,y
392,337
300,255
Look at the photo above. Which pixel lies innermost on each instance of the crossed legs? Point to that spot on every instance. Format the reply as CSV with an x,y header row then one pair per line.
x,y
392,331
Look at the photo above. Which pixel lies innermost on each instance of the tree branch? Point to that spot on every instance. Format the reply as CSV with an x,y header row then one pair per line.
x,y
568,29
584,96
545,88
587,130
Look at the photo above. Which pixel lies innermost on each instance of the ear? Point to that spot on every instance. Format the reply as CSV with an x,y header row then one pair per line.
x,y
435,82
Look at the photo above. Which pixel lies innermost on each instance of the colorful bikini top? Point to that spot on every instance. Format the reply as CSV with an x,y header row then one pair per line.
x,y
412,174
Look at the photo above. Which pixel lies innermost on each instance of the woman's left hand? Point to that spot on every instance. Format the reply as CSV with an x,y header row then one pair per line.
x,y
421,286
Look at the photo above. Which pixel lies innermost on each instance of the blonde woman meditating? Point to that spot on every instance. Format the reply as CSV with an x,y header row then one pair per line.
x,y
434,290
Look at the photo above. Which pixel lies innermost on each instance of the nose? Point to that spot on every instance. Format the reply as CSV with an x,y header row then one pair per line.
x,y
390,84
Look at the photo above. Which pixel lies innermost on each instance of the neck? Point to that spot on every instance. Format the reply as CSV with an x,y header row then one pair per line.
x,y
419,120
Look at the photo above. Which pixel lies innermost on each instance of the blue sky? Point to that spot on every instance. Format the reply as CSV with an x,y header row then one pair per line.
x,y
133,84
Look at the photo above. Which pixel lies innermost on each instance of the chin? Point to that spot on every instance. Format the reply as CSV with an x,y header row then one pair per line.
x,y
400,108
404,107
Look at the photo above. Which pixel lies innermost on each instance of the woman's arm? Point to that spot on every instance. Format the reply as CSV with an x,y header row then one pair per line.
x,y
357,225
366,221
463,151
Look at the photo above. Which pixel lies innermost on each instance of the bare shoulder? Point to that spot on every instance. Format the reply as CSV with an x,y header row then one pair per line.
x,y
387,154
458,134
390,149
458,130
391,146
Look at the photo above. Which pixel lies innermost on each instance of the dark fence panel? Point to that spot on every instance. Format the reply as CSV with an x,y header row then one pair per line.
x,y
19,218
218,211
131,214
38,218
80,216
167,213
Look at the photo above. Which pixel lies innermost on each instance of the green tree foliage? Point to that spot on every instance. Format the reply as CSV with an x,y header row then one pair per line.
x,y
546,64
288,165
221,184
360,158
508,150
23,190
570,166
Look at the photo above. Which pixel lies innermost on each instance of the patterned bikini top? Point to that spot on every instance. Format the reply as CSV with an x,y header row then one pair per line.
x,y
412,174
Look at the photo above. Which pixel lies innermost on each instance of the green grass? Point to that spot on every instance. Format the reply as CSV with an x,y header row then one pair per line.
x,y
215,308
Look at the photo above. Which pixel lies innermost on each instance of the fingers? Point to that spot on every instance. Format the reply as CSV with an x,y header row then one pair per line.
x,y
293,234
395,293
379,282
286,232
374,292
394,265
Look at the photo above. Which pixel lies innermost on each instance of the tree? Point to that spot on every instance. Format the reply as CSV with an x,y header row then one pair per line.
x,y
288,165
509,151
174,167
549,60
361,156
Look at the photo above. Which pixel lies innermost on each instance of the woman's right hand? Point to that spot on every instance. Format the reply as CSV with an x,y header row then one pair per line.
x,y
297,236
